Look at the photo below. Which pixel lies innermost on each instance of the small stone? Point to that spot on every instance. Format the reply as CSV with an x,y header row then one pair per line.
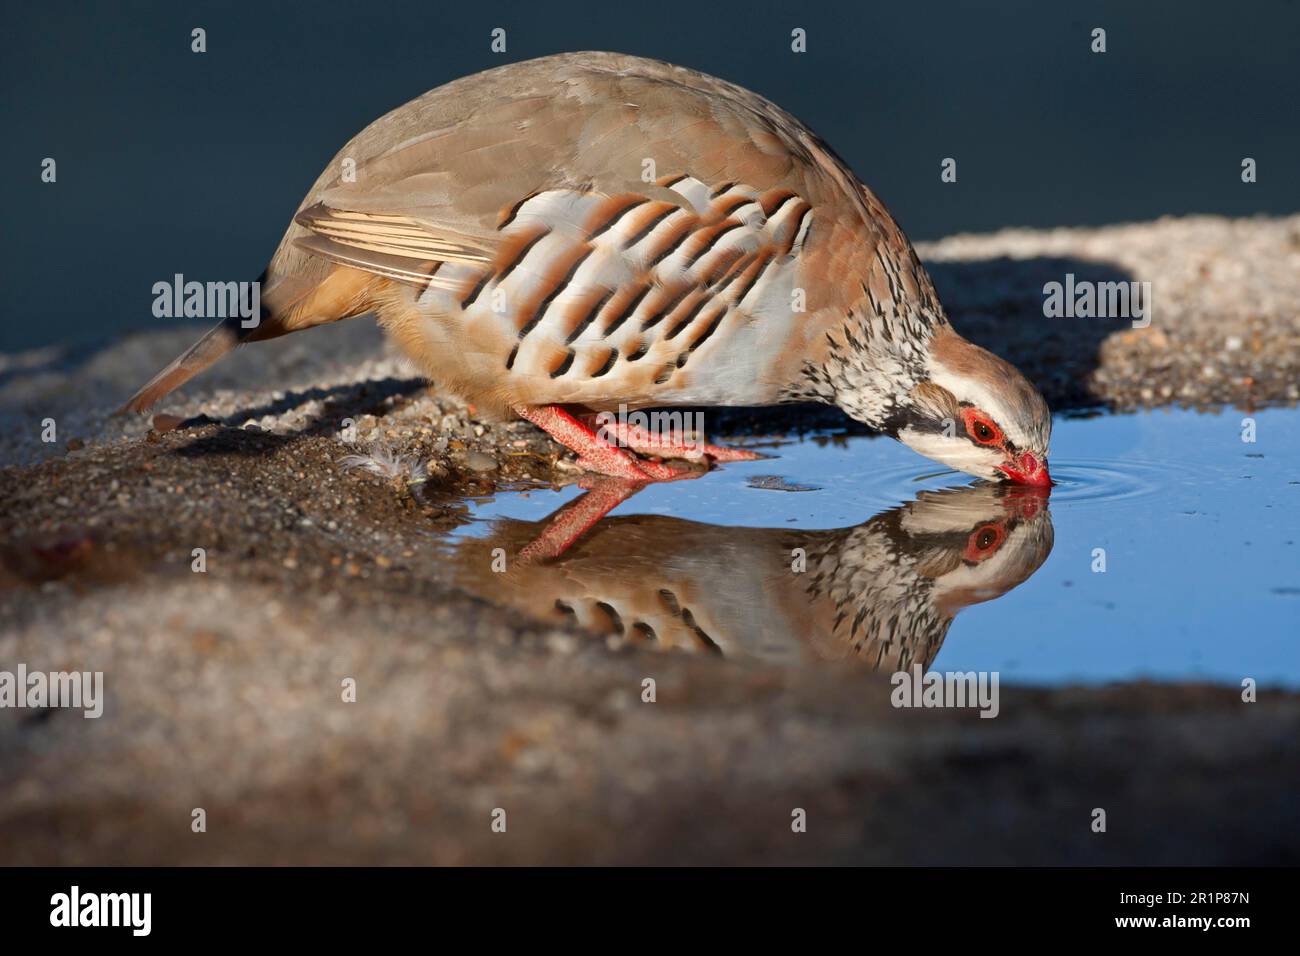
x,y
479,461
166,423
75,444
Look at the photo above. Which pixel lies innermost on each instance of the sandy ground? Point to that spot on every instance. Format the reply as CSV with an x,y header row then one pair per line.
x,y
223,688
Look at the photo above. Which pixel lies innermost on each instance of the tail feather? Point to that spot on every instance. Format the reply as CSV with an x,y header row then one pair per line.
x,y
293,304
216,343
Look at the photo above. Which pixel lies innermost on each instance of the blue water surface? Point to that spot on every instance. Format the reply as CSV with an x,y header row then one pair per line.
x,y
1199,530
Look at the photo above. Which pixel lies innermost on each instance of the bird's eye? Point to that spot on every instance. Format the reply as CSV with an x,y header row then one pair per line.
x,y
980,427
983,541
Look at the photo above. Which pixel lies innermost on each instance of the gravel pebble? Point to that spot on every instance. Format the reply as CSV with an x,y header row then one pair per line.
x,y
478,461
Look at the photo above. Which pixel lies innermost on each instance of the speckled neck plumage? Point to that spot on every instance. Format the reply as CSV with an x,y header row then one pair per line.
x,y
871,365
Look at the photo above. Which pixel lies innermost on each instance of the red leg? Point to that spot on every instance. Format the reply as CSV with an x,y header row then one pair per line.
x,y
674,444
577,518
595,454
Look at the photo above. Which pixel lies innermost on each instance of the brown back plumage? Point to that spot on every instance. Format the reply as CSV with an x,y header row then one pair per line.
x,y
589,228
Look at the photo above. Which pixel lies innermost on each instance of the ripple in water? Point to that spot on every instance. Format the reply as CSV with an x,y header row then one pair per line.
x,y
1075,480
1080,480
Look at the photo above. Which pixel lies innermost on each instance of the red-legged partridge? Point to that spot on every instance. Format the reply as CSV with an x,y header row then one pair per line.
x,y
587,231
883,592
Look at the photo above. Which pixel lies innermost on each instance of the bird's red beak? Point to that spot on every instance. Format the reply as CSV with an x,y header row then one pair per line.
x,y
1027,470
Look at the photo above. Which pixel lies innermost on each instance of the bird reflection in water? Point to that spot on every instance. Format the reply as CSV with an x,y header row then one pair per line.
x,y
883,592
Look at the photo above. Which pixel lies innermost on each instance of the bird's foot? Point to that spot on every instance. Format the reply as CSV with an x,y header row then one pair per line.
x,y
627,467
672,444
595,453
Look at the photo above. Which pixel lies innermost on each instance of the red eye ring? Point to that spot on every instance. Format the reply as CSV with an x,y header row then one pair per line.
x,y
984,541
981,428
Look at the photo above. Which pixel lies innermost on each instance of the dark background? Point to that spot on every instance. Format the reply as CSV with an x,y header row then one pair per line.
x,y
171,161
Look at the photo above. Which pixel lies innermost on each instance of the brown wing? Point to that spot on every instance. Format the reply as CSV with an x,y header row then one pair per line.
x,y
459,157
429,184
